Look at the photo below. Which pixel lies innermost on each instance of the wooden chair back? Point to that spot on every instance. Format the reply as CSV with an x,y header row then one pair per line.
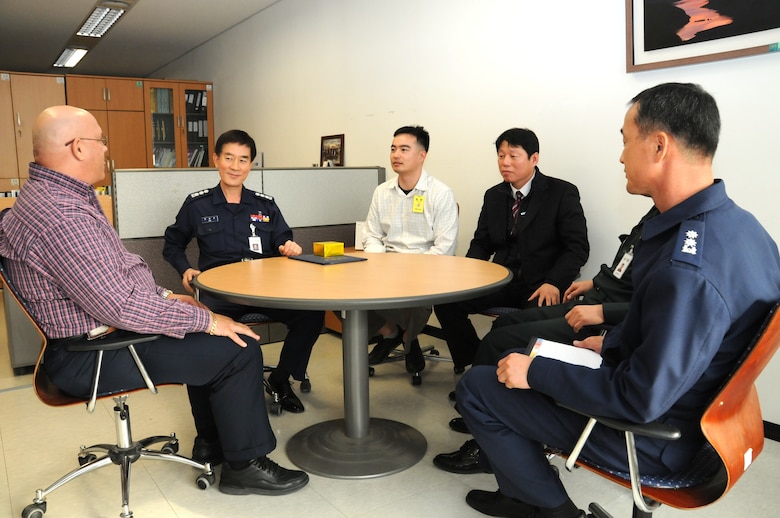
x,y
46,391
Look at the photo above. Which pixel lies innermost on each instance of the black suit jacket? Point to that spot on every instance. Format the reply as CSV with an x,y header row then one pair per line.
x,y
551,244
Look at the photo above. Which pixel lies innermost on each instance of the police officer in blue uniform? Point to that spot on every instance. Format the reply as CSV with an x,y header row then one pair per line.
x,y
232,223
705,275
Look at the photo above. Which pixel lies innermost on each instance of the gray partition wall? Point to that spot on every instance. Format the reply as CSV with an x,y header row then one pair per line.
x,y
146,201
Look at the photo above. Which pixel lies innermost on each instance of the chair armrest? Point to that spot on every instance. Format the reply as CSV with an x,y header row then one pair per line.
x,y
118,340
110,342
652,430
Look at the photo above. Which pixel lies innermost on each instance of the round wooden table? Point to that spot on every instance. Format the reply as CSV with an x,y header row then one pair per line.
x,y
357,446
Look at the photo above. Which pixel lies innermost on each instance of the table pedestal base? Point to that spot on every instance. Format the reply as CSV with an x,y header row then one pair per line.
x,y
324,449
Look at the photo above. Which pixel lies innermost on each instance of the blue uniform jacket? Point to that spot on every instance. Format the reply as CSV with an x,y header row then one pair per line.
x,y
223,229
705,276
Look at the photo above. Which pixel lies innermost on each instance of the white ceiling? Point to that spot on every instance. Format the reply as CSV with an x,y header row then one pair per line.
x,y
150,35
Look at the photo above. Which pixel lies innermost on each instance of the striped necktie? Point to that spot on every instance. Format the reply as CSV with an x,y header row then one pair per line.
x,y
516,211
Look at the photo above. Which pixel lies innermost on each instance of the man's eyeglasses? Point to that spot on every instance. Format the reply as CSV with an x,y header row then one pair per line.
x,y
103,140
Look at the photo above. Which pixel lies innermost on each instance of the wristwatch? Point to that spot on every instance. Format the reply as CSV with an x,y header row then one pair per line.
x,y
166,293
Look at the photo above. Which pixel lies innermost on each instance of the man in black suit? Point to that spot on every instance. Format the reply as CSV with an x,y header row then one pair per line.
x,y
531,223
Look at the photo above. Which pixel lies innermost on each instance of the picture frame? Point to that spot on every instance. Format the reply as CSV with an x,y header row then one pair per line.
x,y
332,151
752,28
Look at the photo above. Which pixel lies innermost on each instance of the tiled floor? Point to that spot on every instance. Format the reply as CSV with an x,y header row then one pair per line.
x,y
39,443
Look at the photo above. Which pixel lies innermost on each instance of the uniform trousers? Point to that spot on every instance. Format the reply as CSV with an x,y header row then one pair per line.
x,y
303,329
410,320
513,427
224,383
517,329
462,339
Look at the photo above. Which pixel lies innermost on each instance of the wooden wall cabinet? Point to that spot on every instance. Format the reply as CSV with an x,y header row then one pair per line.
x,y
179,123
118,105
22,98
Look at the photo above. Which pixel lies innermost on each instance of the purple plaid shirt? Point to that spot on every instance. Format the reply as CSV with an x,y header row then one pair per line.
x,y
69,265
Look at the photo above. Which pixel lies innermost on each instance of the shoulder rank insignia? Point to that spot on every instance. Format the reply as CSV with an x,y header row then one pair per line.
x,y
690,241
264,196
198,194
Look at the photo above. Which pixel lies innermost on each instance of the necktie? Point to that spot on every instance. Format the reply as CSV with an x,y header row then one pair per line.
x,y
516,211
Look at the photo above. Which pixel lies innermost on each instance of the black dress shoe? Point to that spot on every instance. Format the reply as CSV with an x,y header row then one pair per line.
x,y
451,396
207,451
464,461
415,362
496,504
283,392
384,347
261,477
457,424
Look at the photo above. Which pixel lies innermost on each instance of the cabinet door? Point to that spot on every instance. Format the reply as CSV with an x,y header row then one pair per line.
x,y
88,93
105,93
124,94
31,94
9,174
162,124
126,139
198,125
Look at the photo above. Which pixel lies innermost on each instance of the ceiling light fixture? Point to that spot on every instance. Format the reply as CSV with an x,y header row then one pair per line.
x,y
99,21
70,57
103,16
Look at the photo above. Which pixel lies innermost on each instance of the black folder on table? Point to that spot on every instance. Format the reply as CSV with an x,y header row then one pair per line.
x,y
335,259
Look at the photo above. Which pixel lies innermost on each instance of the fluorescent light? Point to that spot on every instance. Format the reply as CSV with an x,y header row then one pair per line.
x,y
100,20
70,57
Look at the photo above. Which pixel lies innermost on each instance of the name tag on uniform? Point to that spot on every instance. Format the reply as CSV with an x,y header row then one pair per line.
x,y
256,244
620,269
419,204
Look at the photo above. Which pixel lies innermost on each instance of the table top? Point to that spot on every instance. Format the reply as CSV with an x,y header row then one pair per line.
x,y
382,281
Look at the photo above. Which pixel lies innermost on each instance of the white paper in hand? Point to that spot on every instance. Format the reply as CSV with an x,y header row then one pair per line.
x,y
565,353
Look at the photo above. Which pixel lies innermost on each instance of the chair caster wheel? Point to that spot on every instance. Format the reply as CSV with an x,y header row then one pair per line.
x,y
306,386
34,510
434,352
205,480
171,447
275,408
371,372
416,379
86,458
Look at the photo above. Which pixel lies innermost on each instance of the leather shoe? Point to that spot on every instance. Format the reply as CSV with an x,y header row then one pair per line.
x,y
451,396
207,451
457,424
415,362
384,347
261,477
496,504
464,461
283,392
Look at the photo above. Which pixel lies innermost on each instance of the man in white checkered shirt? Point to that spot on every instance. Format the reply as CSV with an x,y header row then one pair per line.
x,y
413,213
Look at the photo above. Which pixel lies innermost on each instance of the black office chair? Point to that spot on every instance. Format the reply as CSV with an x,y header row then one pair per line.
x,y
125,451
430,353
256,319
732,425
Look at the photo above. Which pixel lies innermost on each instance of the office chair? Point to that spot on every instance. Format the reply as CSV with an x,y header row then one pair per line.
x,y
125,451
430,353
732,425
275,407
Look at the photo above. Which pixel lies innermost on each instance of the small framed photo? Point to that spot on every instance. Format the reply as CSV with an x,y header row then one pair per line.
x,y
332,151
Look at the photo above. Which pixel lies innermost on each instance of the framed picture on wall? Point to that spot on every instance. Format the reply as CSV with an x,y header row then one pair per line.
x,y
332,151
667,33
